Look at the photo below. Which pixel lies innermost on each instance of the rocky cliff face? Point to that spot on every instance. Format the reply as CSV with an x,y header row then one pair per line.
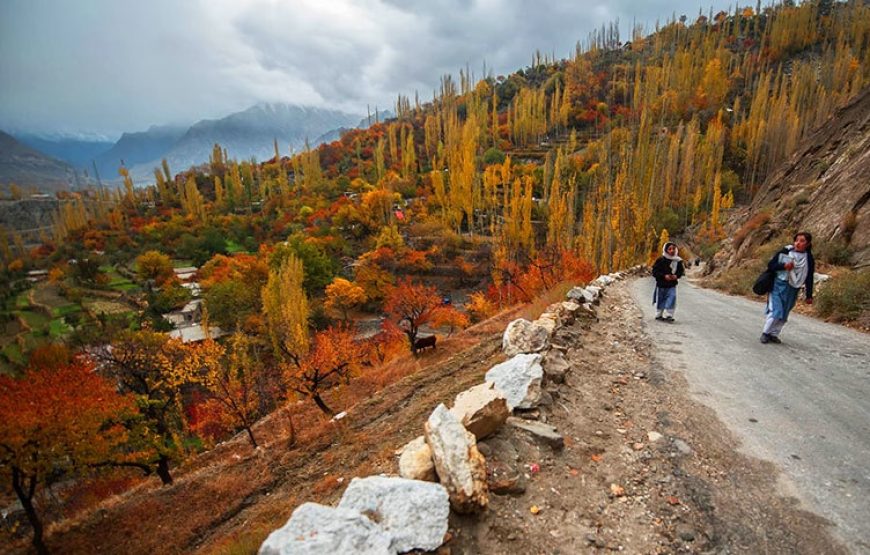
x,y
27,216
824,188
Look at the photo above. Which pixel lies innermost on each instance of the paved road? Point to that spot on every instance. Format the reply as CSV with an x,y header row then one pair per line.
x,y
803,405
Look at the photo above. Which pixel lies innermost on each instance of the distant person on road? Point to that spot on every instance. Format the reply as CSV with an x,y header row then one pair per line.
x,y
667,270
794,266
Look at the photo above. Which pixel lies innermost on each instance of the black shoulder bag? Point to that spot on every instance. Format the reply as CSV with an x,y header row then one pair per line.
x,y
764,284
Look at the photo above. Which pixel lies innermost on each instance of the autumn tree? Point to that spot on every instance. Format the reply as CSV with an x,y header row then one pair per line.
x,y
334,358
410,306
342,295
230,375
153,369
285,307
56,421
156,266
449,319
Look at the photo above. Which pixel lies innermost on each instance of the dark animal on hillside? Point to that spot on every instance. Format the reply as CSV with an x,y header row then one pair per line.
x,y
424,342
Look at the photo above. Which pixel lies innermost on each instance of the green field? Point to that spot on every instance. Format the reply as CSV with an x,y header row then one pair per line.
x,y
61,311
233,247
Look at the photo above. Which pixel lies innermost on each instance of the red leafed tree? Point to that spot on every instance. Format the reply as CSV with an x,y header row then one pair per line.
x,y
334,357
411,305
56,421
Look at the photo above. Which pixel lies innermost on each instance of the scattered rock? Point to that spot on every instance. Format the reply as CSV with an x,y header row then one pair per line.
x,y
682,446
654,436
519,379
685,532
460,466
503,450
555,366
415,461
412,512
546,399
482,409
542,432
522,336
484,449
319,530
504,479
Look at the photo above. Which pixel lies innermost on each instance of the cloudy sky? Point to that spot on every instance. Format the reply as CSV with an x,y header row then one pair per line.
x,y
107,66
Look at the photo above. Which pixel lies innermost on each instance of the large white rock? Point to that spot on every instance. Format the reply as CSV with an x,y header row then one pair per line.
x,y
522,336
519,379
412,512
461,468
319,530
482,409
415,461
603,280
583,295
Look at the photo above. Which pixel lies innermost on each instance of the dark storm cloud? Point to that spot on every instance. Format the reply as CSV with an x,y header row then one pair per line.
x,y
107,66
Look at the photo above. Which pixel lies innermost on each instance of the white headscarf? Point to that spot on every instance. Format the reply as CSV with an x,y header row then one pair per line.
x,y
798,275
674,258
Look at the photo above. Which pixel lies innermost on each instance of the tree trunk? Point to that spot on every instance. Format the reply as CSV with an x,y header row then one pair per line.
x,y
322,405
251,436
26,498
163,470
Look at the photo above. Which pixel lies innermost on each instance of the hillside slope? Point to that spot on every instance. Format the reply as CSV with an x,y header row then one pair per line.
x,y
25,166
823,188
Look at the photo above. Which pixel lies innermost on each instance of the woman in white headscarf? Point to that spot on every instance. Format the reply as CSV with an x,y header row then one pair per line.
x,y
794,266
667,270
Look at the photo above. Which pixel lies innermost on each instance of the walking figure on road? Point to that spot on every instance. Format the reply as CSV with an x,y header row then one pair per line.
x,y
794,266
667,270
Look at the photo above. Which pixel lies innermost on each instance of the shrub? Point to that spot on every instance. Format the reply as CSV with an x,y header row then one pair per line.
x,y
846,298
837,253
493,156
751,225
738,281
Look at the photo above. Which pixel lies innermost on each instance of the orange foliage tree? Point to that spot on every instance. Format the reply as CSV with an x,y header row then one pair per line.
x,y
410,306
334,357
56,421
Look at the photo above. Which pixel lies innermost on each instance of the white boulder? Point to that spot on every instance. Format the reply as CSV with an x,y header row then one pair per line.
x,y
519,378
482,409
460,466
413,513
319,530
522,336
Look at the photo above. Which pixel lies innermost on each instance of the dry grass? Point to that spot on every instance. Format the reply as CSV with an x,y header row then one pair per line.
x,y
227,499
751,225
846,299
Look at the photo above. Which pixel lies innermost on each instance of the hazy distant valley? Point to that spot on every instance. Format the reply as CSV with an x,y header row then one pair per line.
x,y
59,162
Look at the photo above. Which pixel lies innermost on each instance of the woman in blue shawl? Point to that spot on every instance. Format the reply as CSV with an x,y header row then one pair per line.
x,y
794,266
